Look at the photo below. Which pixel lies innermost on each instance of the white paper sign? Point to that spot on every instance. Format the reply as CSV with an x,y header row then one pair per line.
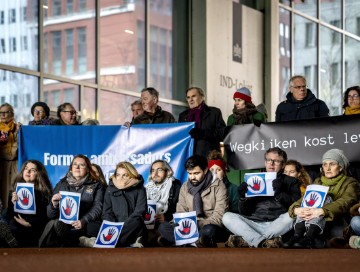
x,y
260,184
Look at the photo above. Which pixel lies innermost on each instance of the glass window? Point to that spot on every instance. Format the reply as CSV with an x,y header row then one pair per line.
x,y
81,5
69,6
352,59
58,92
21,92
2,45
69,51
352,22
23,14
45,54
309,7
56,52
56,7
305,50
330,12
24,43
2,17
118,49
330,71
88,103
68,94
13,44
285,51
82,50
12,16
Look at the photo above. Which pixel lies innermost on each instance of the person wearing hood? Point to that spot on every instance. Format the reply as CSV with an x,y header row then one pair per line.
x,y
300,103
124,201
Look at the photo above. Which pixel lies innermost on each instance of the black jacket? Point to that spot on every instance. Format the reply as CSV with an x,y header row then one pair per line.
x,y
91,201
124,205
173,199
269,208
159,117
213,127
310,107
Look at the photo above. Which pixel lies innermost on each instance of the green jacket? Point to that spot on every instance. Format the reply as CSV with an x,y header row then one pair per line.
x,y
257,116
348,195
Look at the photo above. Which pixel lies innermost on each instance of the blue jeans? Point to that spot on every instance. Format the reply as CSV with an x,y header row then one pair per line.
x,y
255,232
355,224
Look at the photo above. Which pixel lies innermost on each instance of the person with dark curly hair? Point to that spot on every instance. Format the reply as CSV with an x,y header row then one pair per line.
x,y
352,101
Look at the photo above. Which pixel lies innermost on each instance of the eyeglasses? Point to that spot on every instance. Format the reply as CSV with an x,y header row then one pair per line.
x,y
299,87
159,170
355,96
81,165
71,112
276,162
38,111
5,112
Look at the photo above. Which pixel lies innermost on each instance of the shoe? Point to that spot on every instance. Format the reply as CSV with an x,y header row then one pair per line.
x,y
5,233
354,241
204,242
338,242
291,241
272,243
305,242
138,243
236,241
86,241
161,241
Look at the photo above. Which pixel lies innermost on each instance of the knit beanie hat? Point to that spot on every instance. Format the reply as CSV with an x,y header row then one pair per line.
x,y
338,156
43,105
244,94
219,163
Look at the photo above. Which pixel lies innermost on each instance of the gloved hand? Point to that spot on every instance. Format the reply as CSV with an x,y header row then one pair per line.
x,y
277,184
196,133
257,122
242,189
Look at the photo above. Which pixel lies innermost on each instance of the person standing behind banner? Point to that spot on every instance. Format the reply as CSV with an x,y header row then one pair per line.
x,y
153,113
300,103
136,110
206,195
125,201
25,229
67,115
9,130
209,124
352,101
264,219
343,192
41,112
82,179
163,188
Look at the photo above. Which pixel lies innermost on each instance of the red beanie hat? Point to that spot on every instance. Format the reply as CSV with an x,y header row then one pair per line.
x,y
244,94
219,163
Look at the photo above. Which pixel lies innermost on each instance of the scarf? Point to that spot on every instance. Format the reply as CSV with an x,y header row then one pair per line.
x,y
353,110
195,115
74,182
160,193
9,129
196,191
334,183
126,183
244,116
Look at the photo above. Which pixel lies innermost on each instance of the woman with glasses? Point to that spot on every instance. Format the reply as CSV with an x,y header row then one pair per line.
x,y
352,101
25,229
329,221
67,115
8,149
82,179
41,113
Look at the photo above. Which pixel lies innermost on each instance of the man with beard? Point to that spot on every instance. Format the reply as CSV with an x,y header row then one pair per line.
x,y
163,188
205,194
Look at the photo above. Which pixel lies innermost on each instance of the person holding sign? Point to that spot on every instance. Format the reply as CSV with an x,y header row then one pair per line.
x,y
343,192
205,194
80,179
125,201
263,219
27,224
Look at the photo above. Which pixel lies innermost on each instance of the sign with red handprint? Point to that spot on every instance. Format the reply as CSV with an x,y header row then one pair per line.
x,y
109,234
149,217
25,198
260,184
186,230
314,196
69,206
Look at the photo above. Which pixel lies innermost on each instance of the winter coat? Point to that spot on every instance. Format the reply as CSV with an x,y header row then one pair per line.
x,y
173,200
126,204
347,196
310,107
258,117
213,126
159,117
233,195
91,200
269,208
215,203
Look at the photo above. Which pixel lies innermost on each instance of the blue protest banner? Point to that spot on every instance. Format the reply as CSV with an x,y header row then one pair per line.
x,y
55,147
